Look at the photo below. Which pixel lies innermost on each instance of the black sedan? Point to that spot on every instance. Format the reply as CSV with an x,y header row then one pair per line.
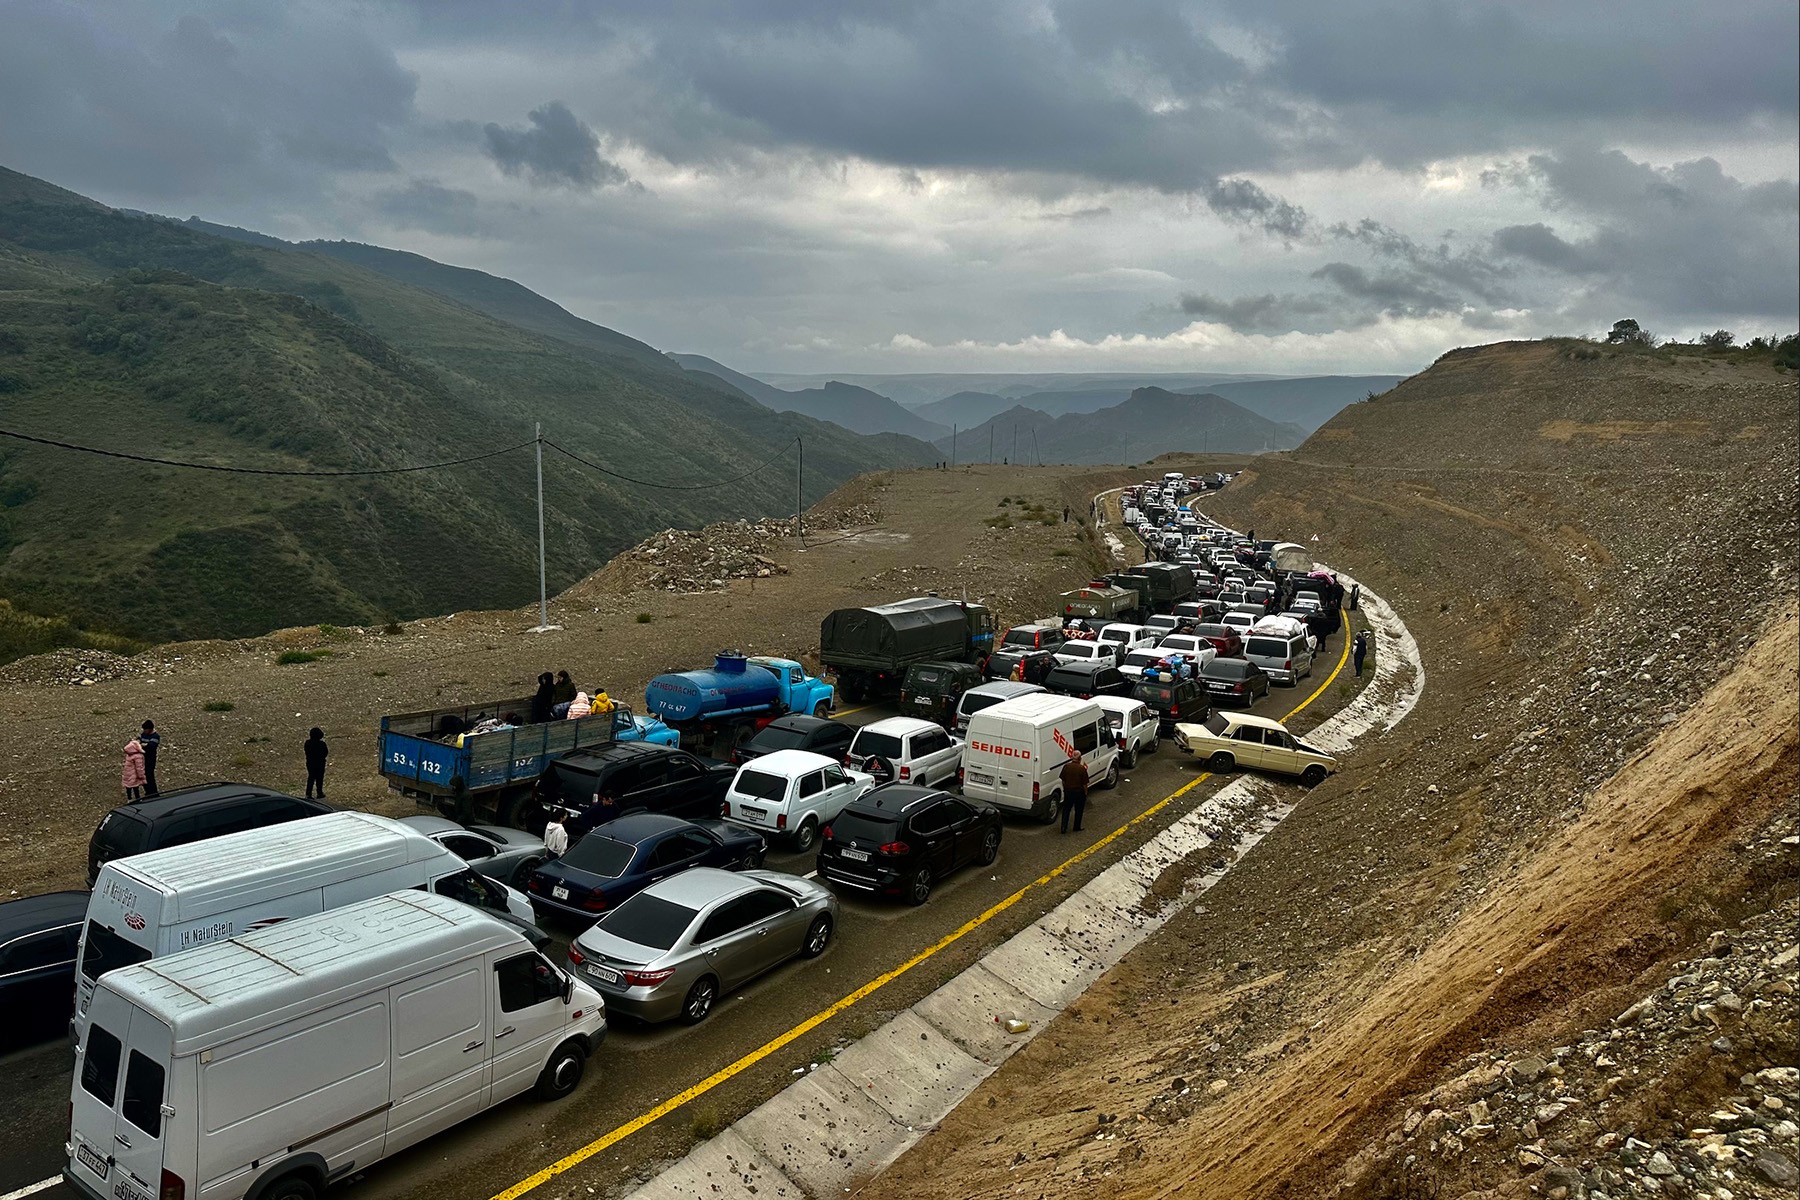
x,y
38,935
797,731
627,855
1233,681
900,839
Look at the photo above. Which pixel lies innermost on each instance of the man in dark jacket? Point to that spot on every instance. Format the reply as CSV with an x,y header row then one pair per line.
x,y
564,690
1359,647
1074,791
151,741
316,754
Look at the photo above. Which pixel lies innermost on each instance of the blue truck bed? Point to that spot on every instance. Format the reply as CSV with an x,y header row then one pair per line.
x,y
418,759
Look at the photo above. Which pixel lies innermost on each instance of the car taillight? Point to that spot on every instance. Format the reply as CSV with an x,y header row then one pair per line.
x,y
1174,710
173,1186
576,957
959,777
905,771
724,808
1034,791
647,978
825,833
1238,687
1288,665
781,820
894,848
596,900
534,884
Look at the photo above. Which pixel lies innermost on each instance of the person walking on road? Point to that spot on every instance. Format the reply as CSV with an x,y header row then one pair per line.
x,y
316,754
1074,789
131,777
151,741
1355,595
1359,648
556,836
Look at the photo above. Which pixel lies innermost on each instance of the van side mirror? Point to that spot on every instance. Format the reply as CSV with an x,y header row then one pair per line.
x,y
568,992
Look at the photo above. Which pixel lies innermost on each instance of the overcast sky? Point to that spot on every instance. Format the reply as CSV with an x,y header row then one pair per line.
x,y
1251,185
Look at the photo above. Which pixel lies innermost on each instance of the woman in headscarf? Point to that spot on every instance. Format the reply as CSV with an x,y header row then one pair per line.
x,y
543,700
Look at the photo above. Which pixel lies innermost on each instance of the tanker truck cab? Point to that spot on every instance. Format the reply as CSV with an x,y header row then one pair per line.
x,y
1016,751
802,693
272,1064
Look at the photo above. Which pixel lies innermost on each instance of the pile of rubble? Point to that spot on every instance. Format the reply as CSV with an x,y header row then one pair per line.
x,y
689,560
75,668
1691,1092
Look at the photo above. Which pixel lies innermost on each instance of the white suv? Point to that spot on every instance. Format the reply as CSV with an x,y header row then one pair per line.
x,y
792,794
1126,637
1134,724
1084,650
918,752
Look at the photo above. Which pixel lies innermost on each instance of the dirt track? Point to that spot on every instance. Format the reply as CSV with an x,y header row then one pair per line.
x,y
1569,809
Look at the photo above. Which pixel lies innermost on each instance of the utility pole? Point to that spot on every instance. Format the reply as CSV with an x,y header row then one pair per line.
x,y
1015,452
543,625
990,445
799,488
953,445
1035,452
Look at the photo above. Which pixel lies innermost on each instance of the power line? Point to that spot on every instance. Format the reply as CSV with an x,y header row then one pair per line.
x,y
672,487
197,466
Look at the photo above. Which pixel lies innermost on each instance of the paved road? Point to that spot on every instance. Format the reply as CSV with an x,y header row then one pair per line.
x,y
639,1068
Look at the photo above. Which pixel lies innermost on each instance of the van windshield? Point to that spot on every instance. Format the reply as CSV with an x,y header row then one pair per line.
x,y
1266,647
107,951
648,921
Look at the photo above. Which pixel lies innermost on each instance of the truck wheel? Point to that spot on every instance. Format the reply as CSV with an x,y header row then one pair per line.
x,y
1314,775
807,835
920,890
699,1001
1112,775
1223,761
562,1072
822,709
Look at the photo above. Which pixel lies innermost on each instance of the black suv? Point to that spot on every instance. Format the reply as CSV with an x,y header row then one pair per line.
x,y
932,690
821,735
1172,700
598,785
38,939
900,839
190,814
1032,665
1087,680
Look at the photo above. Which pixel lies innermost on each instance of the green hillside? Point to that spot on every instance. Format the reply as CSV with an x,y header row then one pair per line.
x,y
141,335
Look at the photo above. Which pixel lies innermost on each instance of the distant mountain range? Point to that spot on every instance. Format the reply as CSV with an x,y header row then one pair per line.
x,y
1151,421
198,342
916,390
1308,401
855,408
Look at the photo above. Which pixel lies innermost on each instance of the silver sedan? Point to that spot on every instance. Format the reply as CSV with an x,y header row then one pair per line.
x,y
508,855
674,948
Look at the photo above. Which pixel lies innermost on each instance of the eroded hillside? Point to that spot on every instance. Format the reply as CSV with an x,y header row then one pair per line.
x,y
1597,556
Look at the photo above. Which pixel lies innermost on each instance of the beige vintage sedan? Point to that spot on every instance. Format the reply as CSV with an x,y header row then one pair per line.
x,y
1230,740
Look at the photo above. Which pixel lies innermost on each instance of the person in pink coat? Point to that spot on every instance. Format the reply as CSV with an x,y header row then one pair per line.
x,y
132,777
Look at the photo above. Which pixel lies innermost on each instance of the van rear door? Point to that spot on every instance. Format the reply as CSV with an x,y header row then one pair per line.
x,y
119,1103
124,921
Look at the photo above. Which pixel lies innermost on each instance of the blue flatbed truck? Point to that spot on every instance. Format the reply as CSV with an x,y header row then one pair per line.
x,y
429,756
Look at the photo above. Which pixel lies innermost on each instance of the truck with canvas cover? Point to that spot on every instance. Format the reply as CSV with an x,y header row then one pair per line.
x,y
869,649
1100,601
483,760
719,707
1289,558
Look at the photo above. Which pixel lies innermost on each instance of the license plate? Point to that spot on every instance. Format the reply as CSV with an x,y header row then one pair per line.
x,y
603,974
560,892
856,855
922,701
981,778
752,814
91,1159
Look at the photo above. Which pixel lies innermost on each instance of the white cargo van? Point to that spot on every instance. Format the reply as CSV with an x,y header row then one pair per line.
x,y
1016,750
272,1064
147,905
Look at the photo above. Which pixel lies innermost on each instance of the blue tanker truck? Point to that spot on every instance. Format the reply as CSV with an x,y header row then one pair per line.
x,y
715,710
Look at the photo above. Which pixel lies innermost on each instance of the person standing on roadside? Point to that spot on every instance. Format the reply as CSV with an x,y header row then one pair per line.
x,y
131,777
1359,647
316,754
1074,789
151,741
1355,595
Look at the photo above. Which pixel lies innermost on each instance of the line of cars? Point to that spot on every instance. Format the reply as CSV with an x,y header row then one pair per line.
x,y
435,919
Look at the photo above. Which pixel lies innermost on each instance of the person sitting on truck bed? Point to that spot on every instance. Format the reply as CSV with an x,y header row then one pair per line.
x,y
544,699
602,702
564,691
580,707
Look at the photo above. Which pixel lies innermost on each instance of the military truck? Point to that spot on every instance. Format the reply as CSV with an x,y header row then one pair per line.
x,y
869,649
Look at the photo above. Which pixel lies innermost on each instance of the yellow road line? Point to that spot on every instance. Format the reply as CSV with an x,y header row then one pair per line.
x,y
844,712
577,1157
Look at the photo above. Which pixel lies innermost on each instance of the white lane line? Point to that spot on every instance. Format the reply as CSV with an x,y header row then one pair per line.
x,y
34,1189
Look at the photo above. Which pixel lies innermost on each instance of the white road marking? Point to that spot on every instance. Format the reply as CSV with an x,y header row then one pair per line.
x,y
34,1189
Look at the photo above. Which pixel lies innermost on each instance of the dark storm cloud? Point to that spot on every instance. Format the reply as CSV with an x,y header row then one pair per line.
x,y
1269,313
243,100
1243,202
1688,239
1397,293
558,149
429,205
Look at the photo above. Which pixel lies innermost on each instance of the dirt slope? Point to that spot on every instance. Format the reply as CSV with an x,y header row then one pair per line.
x,y
1597,557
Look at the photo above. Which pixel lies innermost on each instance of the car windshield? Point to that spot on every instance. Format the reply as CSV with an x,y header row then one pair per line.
x,y
760,784
1213,630
925,677
871,744
775,737
1142,658
1082,650
878,830
1226,668
107,951
600,855
974,702
1266,647
1159,695
649,921
1021,637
